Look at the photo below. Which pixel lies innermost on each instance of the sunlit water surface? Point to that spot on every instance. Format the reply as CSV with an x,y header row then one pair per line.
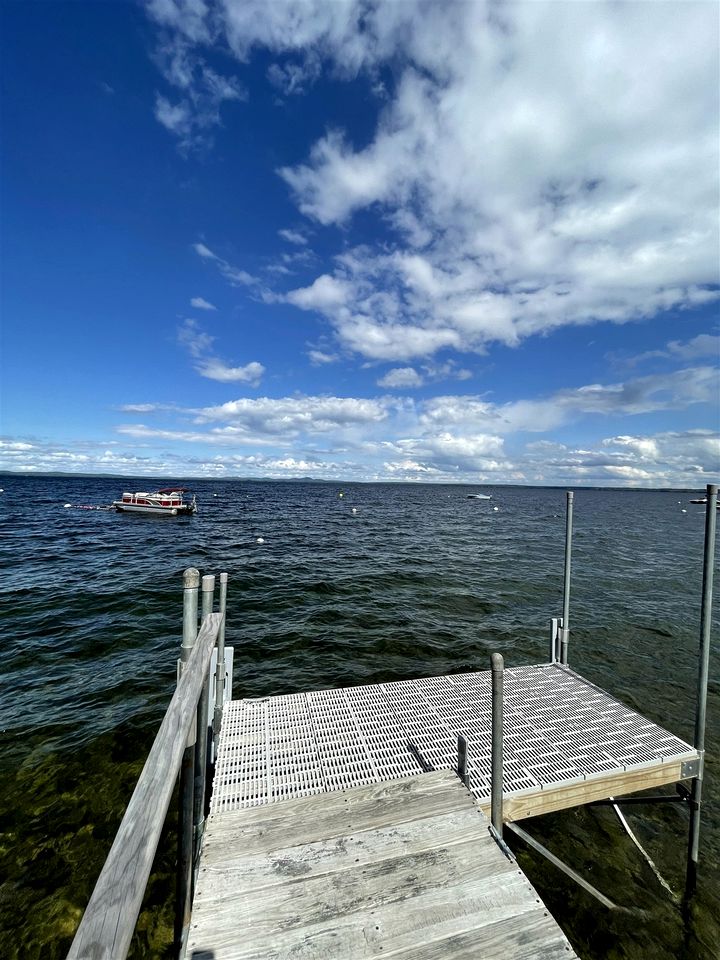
x,y
419,580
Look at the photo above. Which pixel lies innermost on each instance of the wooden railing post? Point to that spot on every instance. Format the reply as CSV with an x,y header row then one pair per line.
x,y
183,874
208,591
109,920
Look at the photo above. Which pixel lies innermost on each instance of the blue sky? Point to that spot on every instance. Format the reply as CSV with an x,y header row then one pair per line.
x,y
470,242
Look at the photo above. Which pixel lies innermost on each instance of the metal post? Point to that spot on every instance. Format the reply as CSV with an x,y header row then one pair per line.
x,y
191,583
496,774
183,875
702,686
555,625
565,631
462,760
220,673
208,590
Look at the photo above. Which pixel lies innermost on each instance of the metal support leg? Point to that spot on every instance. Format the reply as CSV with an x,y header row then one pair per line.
x,y
496,785
702,686
565,630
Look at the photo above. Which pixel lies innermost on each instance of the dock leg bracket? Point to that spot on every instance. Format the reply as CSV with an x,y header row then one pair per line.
x,y
568,871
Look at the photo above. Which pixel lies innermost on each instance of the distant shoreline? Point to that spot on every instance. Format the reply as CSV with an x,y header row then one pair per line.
x,y
341,482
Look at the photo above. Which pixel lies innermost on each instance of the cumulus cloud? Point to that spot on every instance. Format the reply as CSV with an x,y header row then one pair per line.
x,y
215,369
539,166
291,415
400,377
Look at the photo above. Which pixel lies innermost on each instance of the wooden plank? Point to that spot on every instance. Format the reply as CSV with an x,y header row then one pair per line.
x,y
613,784
326,815
414,885
108,923
378,929
268,867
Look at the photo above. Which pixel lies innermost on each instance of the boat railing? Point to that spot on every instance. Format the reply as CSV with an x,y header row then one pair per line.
x,y
108,924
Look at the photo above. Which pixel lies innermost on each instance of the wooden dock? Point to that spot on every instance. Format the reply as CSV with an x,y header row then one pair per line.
x,y
340,829
351,823
403,869
567,742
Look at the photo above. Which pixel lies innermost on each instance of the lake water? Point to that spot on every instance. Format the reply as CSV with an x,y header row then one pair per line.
x,y
419,580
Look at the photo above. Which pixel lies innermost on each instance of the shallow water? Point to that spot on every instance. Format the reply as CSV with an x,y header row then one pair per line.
x,y
418,581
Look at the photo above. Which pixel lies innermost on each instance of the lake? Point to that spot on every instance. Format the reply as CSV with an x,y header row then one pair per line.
x,y
417,580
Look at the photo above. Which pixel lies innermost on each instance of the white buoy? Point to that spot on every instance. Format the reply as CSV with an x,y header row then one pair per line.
x,y
68,504
354,509
214,494
259,540
496,508
683,510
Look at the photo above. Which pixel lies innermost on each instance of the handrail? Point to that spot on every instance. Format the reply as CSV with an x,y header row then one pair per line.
x,y
108,924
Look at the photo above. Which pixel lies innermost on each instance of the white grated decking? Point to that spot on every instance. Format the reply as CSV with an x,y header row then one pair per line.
x,y
566,741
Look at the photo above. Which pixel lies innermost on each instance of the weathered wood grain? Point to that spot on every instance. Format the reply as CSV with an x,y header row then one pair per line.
x,y
406,869
611,784
401,801
107,926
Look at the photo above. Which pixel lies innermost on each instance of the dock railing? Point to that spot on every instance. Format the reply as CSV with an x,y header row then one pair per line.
x,y
108,924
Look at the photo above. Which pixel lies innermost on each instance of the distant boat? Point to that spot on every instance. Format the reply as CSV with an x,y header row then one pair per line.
x,y
168,502
479,496
704,500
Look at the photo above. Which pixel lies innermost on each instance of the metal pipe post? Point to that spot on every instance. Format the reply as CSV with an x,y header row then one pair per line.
x,y
191,583
496,775
565,630
462,767
555,625
220,673
208,591
183,871
702,687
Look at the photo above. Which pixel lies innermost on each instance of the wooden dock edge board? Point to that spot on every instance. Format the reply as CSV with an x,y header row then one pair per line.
x,y
445,892
562,796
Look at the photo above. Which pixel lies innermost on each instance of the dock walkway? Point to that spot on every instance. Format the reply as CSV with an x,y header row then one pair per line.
x,y
567,742
405,869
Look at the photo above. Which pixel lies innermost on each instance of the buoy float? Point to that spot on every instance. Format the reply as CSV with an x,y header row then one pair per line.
x,y
259,540
354,509
496,508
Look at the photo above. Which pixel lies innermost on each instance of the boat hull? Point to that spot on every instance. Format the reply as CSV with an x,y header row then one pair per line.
x,y
184,510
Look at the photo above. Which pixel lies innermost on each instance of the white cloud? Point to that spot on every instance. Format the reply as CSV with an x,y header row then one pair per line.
x,y
215,369
326,294
291,415
200,303
198,343
293,236
542,165
234,276
401,377
319,358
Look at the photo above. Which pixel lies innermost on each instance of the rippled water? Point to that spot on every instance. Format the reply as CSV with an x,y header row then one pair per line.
x,y
419,580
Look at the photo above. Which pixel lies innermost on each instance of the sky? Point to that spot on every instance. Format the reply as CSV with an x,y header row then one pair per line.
x,y
467,242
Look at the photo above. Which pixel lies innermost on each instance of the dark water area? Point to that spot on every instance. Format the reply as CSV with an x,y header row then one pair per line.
x,y
418,581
